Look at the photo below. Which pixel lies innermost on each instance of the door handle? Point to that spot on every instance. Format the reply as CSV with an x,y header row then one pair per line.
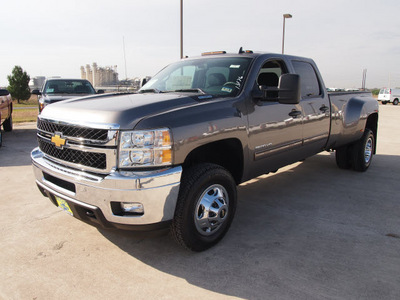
x,y
294,113
324,108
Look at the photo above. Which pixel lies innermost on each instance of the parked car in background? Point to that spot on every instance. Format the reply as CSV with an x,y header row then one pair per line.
x,y
389,96
5,112
58,89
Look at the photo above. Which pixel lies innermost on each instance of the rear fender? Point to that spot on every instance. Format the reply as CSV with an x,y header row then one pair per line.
x,y
351,117
356,114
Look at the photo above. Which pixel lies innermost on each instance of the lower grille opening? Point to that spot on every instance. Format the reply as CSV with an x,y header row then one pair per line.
x,y
59,182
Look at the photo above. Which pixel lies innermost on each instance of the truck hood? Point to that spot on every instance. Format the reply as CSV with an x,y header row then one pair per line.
x,y
124,110
59,97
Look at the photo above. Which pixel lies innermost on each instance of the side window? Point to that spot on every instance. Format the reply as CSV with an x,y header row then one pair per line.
x,y
269,74
309,84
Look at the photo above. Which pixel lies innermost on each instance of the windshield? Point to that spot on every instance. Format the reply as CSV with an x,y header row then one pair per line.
x,y
222,76
68,87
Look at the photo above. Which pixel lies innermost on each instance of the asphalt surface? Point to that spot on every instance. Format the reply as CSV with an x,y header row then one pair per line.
x,y
310,231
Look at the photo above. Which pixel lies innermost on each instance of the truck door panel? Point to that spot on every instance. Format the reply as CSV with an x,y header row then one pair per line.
x,y
274,128
316,109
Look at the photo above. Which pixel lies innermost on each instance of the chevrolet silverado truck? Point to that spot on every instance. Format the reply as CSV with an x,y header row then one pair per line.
x,y
6,109
173,154
59,89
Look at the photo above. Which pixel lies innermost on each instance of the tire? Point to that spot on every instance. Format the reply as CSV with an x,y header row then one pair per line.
x,y
343,157
8,125
384,103
363,151
396,101
205,208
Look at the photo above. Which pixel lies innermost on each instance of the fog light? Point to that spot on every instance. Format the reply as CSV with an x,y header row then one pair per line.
x,y
132,208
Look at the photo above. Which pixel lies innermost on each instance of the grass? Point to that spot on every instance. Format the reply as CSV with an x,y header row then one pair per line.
x,y
27,114
31,102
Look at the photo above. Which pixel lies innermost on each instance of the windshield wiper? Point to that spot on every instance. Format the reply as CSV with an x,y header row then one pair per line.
x,y
150,91
196,90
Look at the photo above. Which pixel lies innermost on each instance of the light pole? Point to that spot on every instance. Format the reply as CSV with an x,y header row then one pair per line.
x,y
285,16
181,29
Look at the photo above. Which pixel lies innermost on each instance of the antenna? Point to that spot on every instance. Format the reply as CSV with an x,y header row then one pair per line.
x,y
123,44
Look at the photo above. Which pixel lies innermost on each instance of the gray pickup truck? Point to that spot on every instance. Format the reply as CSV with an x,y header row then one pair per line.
x,y
173,154
59,89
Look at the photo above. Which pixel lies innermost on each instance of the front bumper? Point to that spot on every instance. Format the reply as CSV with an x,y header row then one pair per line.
x,y
96,198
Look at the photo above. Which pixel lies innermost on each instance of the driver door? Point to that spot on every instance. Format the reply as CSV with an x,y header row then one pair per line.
x,y
275,130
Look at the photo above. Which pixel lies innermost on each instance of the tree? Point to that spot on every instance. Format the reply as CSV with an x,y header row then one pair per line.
x,y
375,91
19,84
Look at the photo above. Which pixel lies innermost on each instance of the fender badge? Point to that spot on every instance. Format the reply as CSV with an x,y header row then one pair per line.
x,y
57,140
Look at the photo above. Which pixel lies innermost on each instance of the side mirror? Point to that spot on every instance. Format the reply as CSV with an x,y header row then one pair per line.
x,y
4,92
36,92
289,89
100,92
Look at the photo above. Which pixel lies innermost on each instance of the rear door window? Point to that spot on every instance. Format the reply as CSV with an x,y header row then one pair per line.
x,y
309,83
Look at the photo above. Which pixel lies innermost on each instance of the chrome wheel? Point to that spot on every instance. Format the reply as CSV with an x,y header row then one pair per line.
x,y
211,210
368,150
205,208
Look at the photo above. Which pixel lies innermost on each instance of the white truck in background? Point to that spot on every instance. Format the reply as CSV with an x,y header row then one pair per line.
x,y
389,96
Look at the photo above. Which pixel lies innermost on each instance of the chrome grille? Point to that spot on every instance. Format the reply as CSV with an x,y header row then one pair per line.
x,y
88,146
73,131
88,159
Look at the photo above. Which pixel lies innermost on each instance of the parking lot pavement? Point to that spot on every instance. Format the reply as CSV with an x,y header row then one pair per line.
x,y
310,231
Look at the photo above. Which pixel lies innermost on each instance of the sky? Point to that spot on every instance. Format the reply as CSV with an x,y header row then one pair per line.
x,y
54,38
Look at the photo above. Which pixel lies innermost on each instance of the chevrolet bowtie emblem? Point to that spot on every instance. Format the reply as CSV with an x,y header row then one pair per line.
x,y
58,140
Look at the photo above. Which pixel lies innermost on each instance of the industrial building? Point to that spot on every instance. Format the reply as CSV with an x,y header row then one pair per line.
x,y
99,76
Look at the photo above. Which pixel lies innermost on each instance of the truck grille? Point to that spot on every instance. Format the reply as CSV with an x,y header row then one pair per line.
x,y
87,148
88,159
73,131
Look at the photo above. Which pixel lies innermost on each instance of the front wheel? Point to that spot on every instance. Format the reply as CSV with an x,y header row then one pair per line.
x,y
205,208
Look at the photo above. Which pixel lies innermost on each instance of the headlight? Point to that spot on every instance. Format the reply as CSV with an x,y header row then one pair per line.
x,y
42,104
145,148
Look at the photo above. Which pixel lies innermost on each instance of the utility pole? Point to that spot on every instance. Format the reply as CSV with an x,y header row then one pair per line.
x,y
285,16
123,44
364,79
181,29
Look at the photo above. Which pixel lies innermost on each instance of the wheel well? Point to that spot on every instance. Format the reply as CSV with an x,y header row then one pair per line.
x,y
226,153
372,124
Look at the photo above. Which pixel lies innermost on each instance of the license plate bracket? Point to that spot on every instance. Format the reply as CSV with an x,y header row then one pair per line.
x,y
64,205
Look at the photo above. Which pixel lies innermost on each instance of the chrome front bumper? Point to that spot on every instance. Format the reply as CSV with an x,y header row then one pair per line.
x,y
156,190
